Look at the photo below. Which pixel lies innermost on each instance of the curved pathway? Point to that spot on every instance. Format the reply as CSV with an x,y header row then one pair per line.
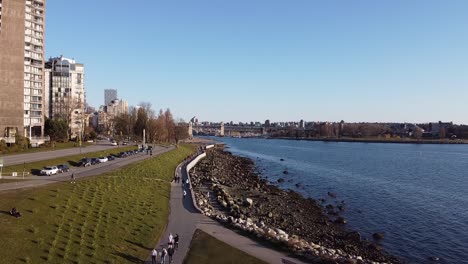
x,y
184,219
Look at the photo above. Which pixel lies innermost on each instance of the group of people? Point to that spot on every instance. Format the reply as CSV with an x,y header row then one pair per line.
x,y
172,245
14,212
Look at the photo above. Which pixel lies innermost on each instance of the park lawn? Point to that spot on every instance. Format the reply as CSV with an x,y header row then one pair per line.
x,y
116,217
207,249
73,160
58,145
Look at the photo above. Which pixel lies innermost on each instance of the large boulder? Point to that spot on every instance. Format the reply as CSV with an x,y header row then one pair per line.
x,y
248,202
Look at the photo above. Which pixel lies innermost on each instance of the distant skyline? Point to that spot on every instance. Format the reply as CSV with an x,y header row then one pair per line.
x,y
370,61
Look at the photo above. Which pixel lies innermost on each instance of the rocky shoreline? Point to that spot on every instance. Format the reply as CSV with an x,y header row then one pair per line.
x,y
228,189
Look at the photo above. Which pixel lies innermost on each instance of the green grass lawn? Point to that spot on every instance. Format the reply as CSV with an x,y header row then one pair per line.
x,y
205,249
58,145
116,217
70,160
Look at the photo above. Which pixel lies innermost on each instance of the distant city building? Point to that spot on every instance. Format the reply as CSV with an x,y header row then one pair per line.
x,y
22,28
109,95
65,93
117,107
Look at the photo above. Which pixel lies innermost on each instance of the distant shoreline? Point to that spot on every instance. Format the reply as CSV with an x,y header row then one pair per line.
x,y
371,140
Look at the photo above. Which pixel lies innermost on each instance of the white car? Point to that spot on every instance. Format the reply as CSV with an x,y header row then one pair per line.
x,y
49,170
103,159
113,143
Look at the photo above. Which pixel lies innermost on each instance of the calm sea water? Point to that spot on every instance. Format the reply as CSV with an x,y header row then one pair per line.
x,y
416,194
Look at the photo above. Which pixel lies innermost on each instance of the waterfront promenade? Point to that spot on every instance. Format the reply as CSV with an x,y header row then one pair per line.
x,y
185,218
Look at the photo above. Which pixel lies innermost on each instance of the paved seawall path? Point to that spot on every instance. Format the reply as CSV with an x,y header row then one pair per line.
x,y
185,218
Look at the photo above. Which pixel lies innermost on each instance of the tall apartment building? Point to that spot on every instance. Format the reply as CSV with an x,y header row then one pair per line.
x,y
109,95
65,92
22,25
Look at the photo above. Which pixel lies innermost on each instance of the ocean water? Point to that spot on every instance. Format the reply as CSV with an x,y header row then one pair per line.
x,y
416,194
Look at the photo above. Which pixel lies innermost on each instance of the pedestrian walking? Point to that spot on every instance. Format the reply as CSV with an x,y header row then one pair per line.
x,y
154,255
163,255
171,238
170,252
176,241
72,178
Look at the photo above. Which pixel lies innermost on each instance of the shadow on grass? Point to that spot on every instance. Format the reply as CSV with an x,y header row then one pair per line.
x,y
5,212
36,172
138,244
74,163
128,257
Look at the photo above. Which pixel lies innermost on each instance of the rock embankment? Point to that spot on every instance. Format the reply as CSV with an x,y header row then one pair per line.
x,y
228,189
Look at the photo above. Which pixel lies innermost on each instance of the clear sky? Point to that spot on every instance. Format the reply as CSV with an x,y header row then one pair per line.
x,y
251,60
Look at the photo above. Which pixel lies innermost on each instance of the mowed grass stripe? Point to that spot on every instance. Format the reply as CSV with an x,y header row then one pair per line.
x,y
116,217
70,160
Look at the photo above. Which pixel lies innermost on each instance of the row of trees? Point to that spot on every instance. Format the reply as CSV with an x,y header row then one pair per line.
x,y
160,127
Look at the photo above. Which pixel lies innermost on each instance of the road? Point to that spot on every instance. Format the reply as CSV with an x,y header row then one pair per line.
x,y
52,154
81,172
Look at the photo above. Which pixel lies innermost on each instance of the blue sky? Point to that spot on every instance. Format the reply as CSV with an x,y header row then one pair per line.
x,y
248,60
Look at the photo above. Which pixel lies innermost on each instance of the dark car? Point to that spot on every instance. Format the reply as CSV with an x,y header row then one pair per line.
x,y
94,161
110,157
85,162
122,154
63,168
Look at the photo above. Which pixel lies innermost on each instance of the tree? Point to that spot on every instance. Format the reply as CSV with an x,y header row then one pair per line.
x,y
56,129
141,122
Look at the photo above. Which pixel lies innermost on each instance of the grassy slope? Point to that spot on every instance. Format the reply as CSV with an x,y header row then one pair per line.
x,y
116,217
70,160
206,249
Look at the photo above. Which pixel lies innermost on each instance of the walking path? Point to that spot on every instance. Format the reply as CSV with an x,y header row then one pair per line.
x,y
81,172
184,219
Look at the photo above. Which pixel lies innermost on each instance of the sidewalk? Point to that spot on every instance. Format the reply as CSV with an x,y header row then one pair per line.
x,y
184,219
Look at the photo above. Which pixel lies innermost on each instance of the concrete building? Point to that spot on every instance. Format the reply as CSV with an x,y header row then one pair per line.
x,y
22,28
65,92
117,107
109,95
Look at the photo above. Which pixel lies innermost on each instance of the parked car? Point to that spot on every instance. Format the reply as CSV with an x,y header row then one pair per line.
x,y
94,161
49,170
103,159
85,162
114,143
124,143
110,157
63,168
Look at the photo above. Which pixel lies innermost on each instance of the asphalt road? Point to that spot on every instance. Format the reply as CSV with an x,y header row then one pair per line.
x,y
80,172
45,155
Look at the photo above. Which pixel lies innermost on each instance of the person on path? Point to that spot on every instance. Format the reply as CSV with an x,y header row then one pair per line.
x,y
176,241
171,238
72,177
163,255
170,252
154,254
